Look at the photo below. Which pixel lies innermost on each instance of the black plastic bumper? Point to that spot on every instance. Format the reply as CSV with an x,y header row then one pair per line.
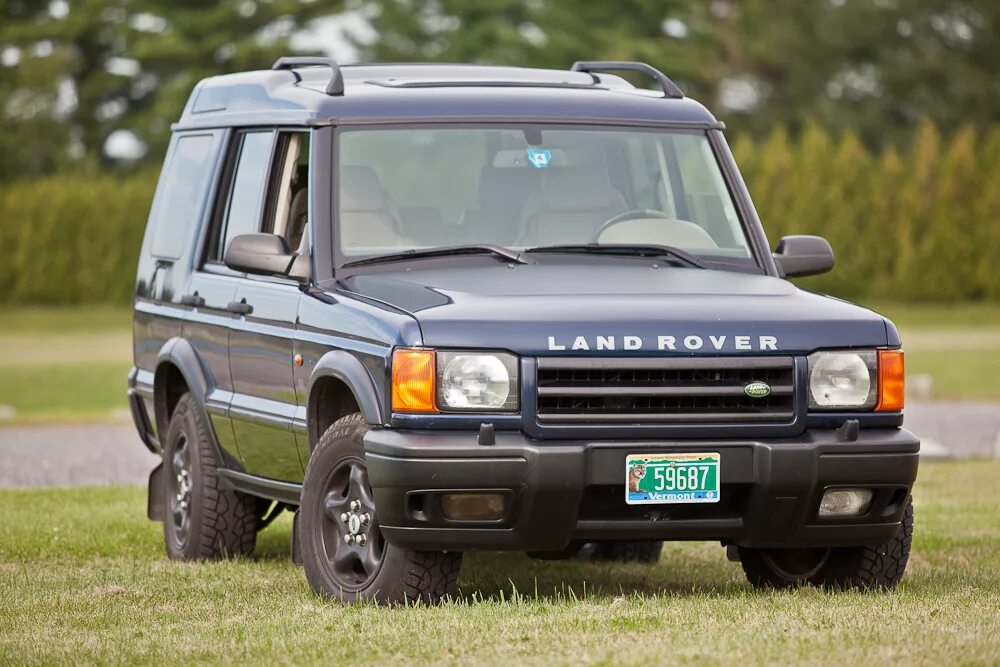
x,y
561,492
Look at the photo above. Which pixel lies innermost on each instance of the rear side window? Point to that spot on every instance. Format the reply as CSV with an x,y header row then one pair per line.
x,y
179,199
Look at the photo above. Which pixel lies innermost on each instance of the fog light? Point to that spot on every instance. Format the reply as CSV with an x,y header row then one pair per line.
x,y
845,502
473,506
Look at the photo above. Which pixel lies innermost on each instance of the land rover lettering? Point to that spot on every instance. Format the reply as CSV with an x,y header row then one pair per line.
x,y
662,343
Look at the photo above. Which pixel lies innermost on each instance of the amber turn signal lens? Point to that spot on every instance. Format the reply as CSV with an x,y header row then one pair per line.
x,y
891,380
413,378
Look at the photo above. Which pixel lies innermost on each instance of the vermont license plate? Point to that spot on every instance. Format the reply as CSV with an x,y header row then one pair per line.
x,y
671,478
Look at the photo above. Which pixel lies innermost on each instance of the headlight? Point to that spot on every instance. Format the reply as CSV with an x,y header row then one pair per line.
x,y
476,381
842,379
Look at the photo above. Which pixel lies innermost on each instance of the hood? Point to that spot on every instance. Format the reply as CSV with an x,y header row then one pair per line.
x,y
616,307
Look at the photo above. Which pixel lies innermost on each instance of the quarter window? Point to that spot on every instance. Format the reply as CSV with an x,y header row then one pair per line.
x,y
178,202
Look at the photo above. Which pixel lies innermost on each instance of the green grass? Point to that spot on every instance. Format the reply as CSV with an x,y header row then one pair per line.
x,y
65,364
65,392
940,316
83,578
66,319
69,364
956,344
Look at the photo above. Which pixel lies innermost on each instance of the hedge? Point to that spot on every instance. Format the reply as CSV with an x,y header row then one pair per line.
x,y
918,225
923,225
70,239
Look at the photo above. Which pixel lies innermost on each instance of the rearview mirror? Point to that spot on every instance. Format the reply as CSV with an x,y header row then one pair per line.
x,y
803,256
263,254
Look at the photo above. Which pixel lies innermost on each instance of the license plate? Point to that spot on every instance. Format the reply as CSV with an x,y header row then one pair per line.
x,y
672,478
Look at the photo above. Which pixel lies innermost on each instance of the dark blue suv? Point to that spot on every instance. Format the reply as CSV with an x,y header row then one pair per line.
x,y
440,308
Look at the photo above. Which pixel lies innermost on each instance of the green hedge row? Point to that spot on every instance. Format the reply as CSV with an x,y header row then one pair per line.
x,y
70,239
920,225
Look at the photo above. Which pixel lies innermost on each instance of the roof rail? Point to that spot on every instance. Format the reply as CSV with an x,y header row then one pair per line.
x,y
336,84
668,87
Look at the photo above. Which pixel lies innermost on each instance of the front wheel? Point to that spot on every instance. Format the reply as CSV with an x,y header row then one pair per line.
x,y
878,567
343,551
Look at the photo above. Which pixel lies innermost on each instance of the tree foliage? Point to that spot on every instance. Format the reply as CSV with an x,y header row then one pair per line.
x,y
74,72
916,225
874,67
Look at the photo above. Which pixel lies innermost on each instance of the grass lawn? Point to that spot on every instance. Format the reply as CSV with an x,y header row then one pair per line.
x,y
70,364
65,364
83,578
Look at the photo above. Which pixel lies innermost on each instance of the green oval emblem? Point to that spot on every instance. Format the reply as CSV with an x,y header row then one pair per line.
x,y
757,389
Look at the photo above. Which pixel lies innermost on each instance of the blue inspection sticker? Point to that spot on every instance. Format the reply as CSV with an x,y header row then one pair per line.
x,y
539,157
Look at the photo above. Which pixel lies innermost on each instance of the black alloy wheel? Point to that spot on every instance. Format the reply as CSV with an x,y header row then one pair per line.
x,y
180,490
351,538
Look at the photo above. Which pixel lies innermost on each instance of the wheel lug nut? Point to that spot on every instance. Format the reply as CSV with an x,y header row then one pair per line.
x,y
355,505
366,519
362,539
344,517
349,539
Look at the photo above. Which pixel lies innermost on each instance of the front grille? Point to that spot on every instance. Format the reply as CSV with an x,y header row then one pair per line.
x,y
699,390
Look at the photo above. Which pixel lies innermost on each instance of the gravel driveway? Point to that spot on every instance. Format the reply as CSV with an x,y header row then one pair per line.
x,y
113,454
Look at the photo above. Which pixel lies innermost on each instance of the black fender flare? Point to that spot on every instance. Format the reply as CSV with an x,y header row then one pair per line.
x,y
345,367
179,353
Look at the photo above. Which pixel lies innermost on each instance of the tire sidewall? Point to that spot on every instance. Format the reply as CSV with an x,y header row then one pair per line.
x,y
183,422
341,442
338,444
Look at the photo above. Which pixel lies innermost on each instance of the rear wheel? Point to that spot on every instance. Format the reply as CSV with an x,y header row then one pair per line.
x,y
203,519
878,567
342,549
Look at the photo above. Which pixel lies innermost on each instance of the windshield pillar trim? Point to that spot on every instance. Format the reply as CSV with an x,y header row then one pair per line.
x,y
741,196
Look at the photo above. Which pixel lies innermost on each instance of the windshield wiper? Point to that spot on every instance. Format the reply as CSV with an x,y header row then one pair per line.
x,y
443,251
637,250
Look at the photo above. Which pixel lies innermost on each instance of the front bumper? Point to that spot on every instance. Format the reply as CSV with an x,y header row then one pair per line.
x,y
563,492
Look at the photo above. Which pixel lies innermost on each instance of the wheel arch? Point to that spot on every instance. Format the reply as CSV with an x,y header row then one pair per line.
x,y
339,385
178,371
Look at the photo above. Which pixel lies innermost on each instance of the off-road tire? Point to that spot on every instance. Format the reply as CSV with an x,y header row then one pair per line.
x,y
404,575
867,568
623,552
223,522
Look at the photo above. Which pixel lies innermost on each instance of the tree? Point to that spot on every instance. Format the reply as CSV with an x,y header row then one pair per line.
x,y
72,74
874,66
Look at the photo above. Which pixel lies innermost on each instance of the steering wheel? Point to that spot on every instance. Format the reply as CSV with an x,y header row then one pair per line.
x,y
634,214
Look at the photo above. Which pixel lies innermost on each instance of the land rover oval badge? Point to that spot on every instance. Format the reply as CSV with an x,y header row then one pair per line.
x,y
757,389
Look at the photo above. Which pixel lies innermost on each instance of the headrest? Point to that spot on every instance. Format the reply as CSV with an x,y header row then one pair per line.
x,y
579,189
301,177
505,187
360,189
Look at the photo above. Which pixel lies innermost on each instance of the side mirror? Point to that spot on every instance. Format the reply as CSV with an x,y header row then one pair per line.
x,y
264,254
803,256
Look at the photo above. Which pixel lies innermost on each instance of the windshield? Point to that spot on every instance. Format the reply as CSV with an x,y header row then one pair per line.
x,y
530,186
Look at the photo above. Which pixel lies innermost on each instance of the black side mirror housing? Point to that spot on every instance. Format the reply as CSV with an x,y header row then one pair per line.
x,y
262,254
798,256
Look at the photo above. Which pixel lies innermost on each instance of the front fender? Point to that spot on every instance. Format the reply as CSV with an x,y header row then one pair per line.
x,y
348,369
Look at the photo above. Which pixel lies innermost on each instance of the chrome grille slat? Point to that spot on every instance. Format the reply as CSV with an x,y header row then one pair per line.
x,y
679,390
694,390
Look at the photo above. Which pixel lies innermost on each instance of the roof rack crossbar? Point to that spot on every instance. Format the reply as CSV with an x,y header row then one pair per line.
x,y
669,88
336,84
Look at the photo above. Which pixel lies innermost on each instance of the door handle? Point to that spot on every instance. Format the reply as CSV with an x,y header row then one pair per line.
x,y
193,300
240,307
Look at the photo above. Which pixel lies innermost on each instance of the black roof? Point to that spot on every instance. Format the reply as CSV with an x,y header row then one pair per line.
x,y
422,92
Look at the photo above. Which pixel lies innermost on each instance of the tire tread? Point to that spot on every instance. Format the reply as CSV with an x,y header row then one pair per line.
x,y
228,526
